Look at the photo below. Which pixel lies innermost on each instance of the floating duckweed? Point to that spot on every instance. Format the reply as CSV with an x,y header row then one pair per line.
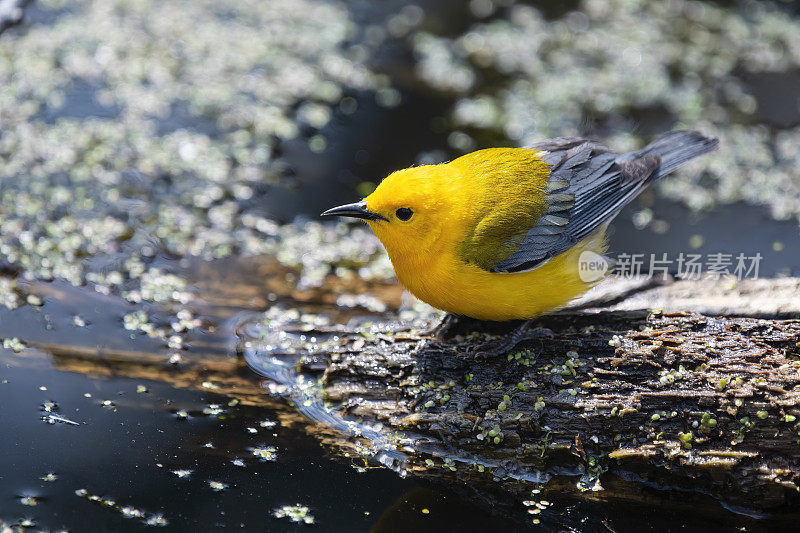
x,y
762,414
655,416
213,409
265,453
8,293
131,512
30,501
295,513
156,520
127,511
721,384
789,418
217,486
137,321
752,37
13,344
696,241
134,180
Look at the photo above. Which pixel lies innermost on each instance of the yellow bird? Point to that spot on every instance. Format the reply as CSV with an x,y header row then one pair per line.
x,y
501,233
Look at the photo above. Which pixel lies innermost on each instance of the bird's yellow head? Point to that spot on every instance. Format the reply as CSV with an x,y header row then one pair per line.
x,y
430,211
410,211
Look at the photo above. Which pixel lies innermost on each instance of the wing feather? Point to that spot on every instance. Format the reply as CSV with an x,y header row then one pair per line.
x,y
589,185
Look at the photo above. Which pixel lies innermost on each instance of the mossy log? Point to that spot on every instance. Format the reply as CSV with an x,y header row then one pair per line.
x,y
679,400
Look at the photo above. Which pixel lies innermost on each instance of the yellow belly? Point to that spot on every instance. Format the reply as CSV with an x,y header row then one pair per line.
x,y
453,286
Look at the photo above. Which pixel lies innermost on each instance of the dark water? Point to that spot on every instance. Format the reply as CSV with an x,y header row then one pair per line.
x,y
127,452
730,229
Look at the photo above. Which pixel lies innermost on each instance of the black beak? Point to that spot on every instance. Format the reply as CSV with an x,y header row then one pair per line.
x,y
356,210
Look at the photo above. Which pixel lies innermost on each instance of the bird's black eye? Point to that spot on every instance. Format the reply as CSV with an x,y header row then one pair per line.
x,y
404,213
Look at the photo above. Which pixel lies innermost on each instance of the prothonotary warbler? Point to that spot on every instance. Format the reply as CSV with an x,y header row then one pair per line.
x,y
499,234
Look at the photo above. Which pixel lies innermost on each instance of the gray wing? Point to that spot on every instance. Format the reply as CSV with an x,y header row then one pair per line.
x,y
589,185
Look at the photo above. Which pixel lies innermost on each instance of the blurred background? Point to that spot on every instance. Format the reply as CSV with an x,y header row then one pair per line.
x,y
204,126
146,147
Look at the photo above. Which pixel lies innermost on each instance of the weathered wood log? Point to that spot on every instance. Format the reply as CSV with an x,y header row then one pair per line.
x,y
679,400
758,298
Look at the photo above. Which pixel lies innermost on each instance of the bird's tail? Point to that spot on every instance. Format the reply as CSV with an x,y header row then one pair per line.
x,y
675,149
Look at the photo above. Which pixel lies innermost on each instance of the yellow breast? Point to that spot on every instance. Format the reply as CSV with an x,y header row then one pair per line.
x,y
447,283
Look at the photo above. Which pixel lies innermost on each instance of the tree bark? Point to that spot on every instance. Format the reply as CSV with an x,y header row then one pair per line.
x,y
676,400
